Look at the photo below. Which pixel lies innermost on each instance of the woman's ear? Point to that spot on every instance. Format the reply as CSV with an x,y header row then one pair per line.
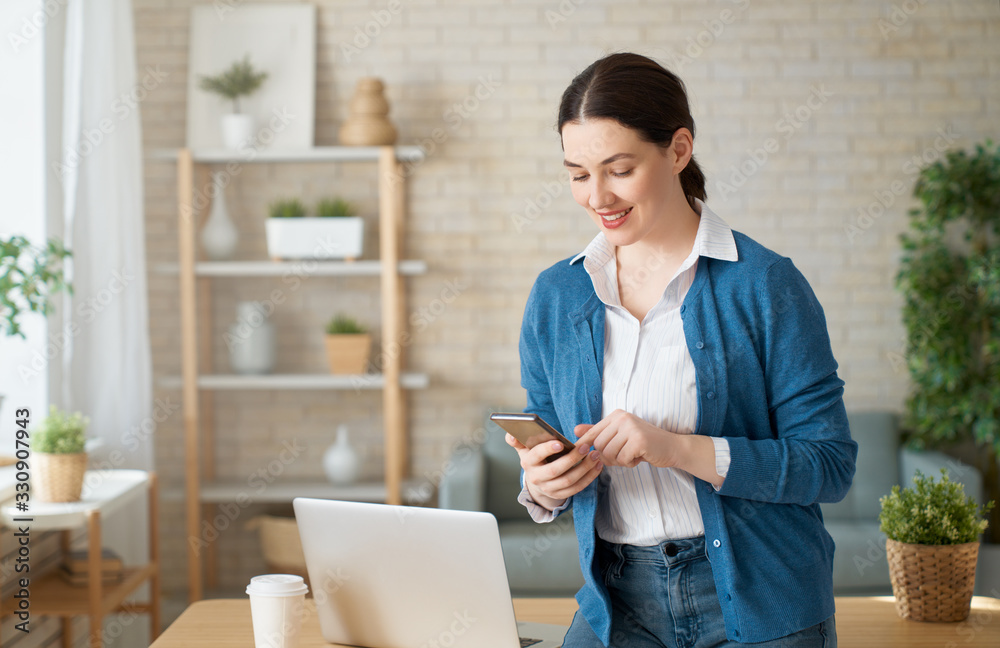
x,y
682,145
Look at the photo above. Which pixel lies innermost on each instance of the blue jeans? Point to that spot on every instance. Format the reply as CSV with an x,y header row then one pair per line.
x,y
664,597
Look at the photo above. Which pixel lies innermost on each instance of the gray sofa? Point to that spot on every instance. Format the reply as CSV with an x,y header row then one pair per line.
x,y
542,559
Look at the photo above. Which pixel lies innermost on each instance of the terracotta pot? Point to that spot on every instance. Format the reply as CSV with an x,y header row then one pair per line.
x,y
57,477
348,354
932,582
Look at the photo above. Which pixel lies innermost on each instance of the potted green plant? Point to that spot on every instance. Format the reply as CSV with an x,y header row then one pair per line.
x,y
348,345
239,80
29,278
932,544
950,280
59,457
335,232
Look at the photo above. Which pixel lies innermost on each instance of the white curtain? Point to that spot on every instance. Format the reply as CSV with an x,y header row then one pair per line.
x,y
107,364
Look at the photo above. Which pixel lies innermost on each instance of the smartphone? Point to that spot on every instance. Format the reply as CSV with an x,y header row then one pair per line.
x,y
531,430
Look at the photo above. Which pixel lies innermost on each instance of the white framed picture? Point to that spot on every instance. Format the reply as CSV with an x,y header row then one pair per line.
x,y
280,40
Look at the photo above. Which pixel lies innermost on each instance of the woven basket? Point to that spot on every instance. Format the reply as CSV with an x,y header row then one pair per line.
x,y
932,582
348,353
281,545
57,477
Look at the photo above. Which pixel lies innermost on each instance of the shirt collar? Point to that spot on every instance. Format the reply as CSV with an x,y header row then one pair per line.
x,y
714,239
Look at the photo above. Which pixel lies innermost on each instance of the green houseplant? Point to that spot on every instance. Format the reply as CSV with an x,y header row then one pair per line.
x,y
59,456
932,544
29,277
335,232
950,280
348,345
239,80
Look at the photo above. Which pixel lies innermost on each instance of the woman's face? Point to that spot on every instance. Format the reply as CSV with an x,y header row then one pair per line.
x,y
624,183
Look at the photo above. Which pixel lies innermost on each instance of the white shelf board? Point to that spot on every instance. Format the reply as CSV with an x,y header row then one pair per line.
x,y
103,490
415,491
297,381
302,268
314,154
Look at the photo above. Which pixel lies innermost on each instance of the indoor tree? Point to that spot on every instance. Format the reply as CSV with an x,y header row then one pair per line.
x,y
950,280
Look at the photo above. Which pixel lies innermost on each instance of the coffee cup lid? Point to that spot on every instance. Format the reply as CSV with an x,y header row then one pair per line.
x,y
277,585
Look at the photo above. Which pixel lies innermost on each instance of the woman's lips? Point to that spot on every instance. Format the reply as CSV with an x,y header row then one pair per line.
x,y
615,219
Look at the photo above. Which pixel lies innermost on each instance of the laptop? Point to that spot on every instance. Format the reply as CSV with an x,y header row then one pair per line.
x,y
389,576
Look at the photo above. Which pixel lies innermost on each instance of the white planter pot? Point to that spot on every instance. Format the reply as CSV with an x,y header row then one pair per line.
x,y
315,238
237,129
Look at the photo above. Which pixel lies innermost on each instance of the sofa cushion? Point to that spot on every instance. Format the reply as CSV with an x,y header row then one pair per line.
x,y
503,476
877,436
859,562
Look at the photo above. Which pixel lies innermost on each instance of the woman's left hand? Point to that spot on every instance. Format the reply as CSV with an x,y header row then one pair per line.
x,y
624,439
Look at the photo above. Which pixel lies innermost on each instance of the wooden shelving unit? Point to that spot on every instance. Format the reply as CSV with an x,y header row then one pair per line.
x,y
197,382
104,493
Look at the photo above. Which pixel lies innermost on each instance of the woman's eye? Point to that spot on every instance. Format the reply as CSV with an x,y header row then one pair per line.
x,y
622,174
579,178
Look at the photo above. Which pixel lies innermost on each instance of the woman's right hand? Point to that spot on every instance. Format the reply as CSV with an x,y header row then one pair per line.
x,y
551,484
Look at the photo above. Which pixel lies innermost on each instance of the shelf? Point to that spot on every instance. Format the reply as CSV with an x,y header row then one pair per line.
x,y
301,268
283,492
222,382
103,490
52,595
315,154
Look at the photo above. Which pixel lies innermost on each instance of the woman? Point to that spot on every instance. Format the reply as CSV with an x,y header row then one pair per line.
x,y
697,365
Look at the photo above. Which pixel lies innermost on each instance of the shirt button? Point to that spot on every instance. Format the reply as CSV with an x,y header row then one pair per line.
x,y
728,597
717,543
700,345
710,395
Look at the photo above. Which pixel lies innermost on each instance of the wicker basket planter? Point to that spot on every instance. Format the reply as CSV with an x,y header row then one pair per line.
x,y
57,477
281,545
348,354
932,582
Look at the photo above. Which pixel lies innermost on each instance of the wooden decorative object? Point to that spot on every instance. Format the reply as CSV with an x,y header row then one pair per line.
x,y
368,123
932,582
280,544
58,477
348,354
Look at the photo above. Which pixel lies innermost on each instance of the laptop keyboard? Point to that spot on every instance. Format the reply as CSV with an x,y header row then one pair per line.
x,y
525,642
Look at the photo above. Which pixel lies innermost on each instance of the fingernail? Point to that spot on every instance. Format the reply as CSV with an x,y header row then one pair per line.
x,y
595,455
583,449
556,445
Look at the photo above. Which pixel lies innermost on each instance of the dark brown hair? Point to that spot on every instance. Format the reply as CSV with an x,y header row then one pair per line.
x,y
638,93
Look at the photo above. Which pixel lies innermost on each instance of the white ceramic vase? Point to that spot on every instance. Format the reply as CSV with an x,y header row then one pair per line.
x,y
251,340
237,130
341,462
219,236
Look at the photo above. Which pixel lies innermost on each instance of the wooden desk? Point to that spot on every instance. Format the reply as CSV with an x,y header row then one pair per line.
x,y
861,622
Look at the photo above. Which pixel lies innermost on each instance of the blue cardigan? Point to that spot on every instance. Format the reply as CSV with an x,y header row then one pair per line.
x,y
767,381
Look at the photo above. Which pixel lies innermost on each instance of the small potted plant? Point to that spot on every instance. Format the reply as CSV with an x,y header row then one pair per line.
x,y
335,232
348,345
59,457
29,278
933,533
240,80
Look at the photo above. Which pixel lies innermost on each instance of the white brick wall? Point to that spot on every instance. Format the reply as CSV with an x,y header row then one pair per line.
x,y
892,94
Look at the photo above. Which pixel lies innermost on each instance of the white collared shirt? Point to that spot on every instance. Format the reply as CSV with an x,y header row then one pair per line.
x,y
649,373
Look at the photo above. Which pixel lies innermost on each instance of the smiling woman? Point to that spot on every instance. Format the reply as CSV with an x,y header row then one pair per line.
x,y
697,381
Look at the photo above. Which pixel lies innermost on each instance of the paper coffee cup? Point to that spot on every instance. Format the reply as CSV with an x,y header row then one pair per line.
x,y
277,604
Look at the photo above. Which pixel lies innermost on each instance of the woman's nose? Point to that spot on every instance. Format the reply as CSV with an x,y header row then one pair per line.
x,y
600,195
